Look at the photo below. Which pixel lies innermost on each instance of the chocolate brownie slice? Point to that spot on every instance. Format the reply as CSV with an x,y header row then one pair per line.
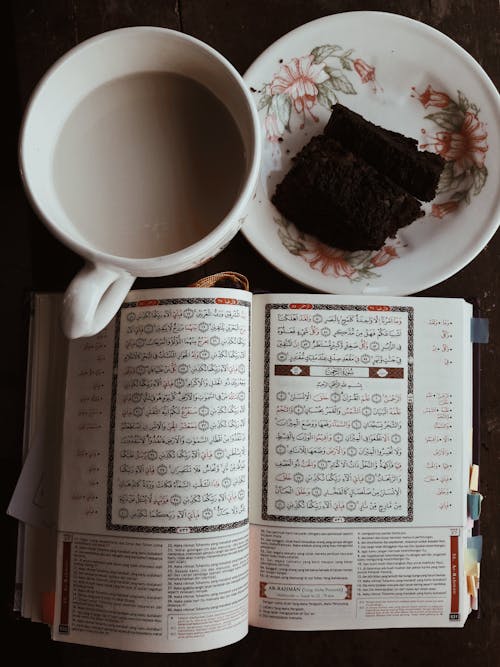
x,y
332,194
391,153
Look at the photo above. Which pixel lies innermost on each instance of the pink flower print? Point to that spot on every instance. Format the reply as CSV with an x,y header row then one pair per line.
x,y
298,79
274,127
384,256
431,98
330,261
440,210
466,148
366,73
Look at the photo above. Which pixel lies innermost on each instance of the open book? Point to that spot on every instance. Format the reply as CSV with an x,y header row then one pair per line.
x,y
220,459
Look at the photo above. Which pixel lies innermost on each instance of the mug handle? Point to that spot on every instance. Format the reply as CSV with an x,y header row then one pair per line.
x,y
92,299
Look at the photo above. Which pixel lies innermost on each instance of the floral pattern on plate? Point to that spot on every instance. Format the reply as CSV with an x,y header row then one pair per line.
x,y
302,83
462,140
354,266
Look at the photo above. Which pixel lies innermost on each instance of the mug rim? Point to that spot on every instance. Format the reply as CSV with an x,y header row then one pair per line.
x,y
193,254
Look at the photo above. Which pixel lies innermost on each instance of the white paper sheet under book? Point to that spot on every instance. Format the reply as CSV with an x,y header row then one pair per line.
x,y
359,417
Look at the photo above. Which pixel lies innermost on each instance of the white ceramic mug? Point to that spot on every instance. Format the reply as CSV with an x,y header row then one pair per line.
x,y
97,292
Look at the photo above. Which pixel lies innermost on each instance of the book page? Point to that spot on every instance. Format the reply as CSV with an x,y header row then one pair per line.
x,y
153,546
35,499
364,422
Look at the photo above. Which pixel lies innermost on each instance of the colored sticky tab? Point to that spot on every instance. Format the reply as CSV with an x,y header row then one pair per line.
x,y
474,505
474,477
471,589
474,570
475,546
470,561
479,330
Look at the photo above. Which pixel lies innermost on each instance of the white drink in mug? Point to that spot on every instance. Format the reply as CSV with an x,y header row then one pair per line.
x,y
140,149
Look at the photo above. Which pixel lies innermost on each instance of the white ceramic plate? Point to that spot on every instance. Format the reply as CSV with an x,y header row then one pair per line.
x,y
405,76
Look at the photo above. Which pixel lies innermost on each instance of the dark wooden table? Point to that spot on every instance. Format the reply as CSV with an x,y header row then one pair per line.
x,y
35,35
